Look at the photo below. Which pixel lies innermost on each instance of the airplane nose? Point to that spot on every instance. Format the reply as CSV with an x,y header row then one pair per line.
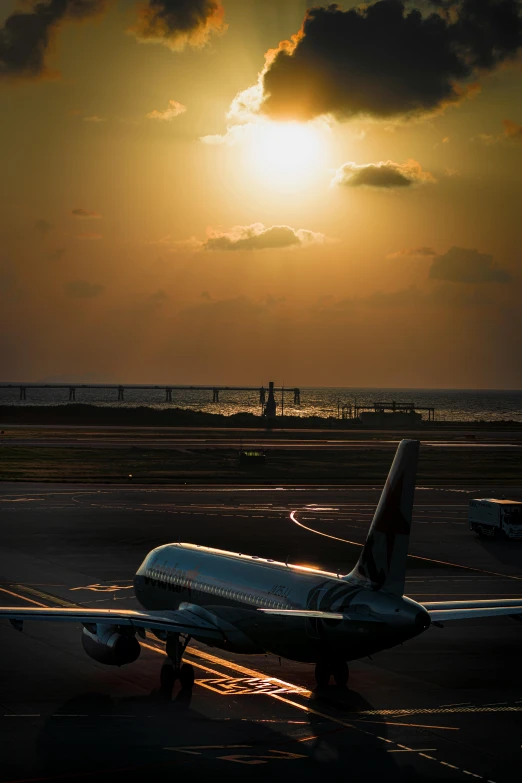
x,y
422,621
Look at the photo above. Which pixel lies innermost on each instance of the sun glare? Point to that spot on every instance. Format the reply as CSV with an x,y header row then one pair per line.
x,y
285,154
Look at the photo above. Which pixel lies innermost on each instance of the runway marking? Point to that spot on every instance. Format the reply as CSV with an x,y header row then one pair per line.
x,y
310,710
207,747
442,710
457,704
307,709
415,557
97,588
20,715
410,725
410,750
236,686
41,594
351,726
24,598
281,755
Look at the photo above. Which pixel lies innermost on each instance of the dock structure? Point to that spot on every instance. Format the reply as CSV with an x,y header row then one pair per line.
x,y
121,388
397,412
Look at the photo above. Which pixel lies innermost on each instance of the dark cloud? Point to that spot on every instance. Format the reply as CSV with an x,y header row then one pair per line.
x,y
259,237
385,174
82,289
385,59
42,227
463,265
512,130
28,35
84,213
178,23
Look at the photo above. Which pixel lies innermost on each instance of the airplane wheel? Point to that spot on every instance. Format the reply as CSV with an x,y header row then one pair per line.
x,y
168,677
186,676
322,674
341,673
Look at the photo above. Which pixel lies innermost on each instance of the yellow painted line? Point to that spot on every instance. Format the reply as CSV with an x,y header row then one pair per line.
x,y
223,676
441,711
209,747
278,697
412,725
415,557
23,598
41,594
244,670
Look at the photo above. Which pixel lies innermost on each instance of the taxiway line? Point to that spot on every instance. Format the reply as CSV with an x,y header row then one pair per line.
x,y
415,557
278,696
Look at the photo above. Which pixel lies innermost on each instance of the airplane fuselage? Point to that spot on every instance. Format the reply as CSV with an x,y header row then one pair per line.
x,y
233,587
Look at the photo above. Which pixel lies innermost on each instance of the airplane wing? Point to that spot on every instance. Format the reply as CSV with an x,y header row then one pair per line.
x,y
180,621
441,611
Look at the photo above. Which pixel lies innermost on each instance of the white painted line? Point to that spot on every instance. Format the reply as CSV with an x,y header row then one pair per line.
x,y
17,715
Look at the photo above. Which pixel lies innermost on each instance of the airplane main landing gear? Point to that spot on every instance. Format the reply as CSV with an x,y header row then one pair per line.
x,y
173,669
327,668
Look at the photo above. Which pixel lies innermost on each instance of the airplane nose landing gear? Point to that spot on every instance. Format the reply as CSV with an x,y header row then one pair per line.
x,y
173,669
325,669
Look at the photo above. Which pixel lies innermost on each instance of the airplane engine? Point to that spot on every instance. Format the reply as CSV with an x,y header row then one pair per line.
x,y
106,644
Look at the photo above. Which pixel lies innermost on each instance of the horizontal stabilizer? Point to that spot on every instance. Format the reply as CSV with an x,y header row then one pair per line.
x,y
443,615
486,603
306,613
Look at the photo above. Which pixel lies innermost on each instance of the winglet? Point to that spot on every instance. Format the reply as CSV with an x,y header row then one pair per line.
x,y
382,564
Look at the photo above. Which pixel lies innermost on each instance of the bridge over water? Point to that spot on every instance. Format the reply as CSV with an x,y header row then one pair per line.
x,y
121,388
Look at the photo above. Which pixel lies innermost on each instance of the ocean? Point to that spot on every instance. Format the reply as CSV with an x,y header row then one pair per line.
x,y
449,404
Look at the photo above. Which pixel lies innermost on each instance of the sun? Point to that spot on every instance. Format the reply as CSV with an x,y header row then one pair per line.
x,y
287,154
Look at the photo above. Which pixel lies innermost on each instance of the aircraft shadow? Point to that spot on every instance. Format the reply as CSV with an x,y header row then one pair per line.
x,y
97,736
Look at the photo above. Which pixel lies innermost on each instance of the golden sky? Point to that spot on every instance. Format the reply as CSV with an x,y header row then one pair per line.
x,y
206,192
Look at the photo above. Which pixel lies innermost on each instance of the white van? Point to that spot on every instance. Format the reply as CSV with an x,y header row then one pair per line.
x,y
496,518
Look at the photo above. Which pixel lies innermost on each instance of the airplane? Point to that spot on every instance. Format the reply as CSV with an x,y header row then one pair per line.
x,y
250,605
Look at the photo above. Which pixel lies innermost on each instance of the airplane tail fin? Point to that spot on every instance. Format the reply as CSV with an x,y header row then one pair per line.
x,y
382,564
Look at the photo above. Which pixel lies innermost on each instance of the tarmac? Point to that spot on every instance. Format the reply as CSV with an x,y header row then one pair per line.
x,y
444,706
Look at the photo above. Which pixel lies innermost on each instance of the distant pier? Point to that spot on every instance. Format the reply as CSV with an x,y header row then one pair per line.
x,y
215,390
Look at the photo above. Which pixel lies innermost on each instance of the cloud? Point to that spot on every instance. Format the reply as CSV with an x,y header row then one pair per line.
x,y
42,227
414,297
413,252
233,134
28,35
94,118
179,23
82,289
463,265
79,212
89,235
259,237
512,130
385,174
174,110
383,60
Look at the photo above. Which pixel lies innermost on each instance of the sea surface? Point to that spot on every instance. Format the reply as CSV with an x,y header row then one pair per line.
x,y
449,404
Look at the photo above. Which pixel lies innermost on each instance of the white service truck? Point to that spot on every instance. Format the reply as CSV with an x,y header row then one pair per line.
x,y
496,518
